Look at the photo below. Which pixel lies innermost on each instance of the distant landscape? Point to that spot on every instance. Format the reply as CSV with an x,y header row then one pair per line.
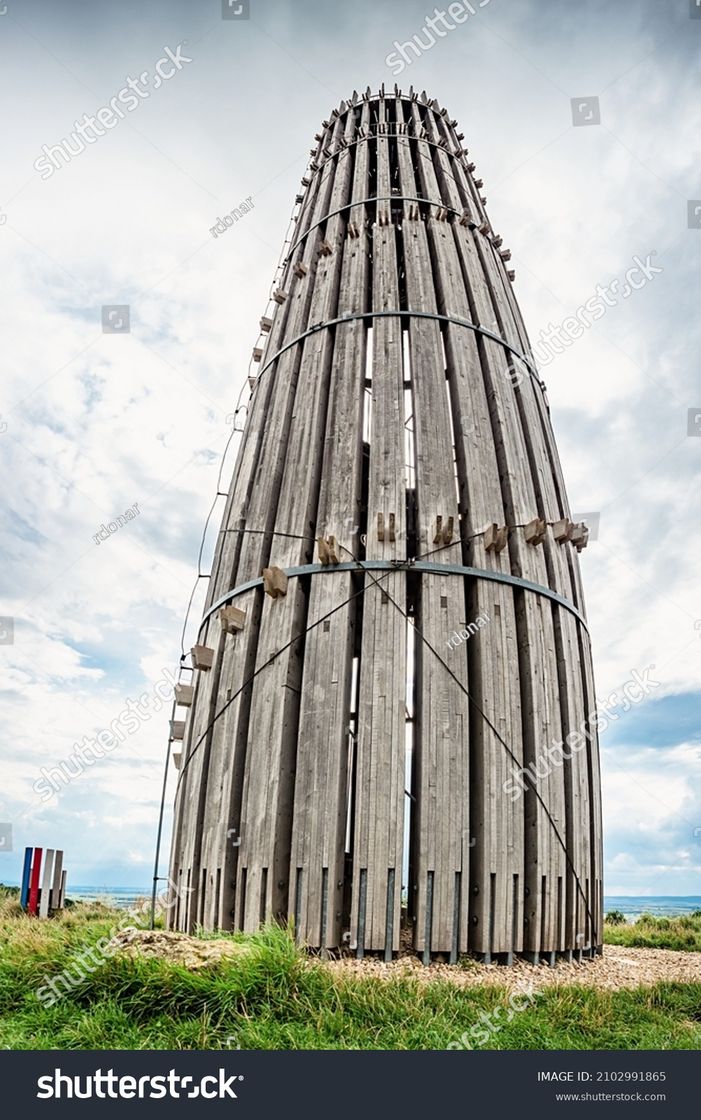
x,y
632,906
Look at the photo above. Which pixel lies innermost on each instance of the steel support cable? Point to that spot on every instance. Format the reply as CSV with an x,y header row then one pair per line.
x,y
256,672
282,260
279,271
406,565
282,263
357,565
270,660
508,750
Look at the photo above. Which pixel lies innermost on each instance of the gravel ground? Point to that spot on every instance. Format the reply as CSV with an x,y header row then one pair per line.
x,y
620,967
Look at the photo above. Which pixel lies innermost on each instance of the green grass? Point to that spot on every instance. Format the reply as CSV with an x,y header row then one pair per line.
x,y
269,998
649,932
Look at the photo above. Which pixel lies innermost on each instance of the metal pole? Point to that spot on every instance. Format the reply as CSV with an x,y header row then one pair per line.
x,y
152,922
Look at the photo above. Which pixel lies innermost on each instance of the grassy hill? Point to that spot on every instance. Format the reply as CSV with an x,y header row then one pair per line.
x,y
267,995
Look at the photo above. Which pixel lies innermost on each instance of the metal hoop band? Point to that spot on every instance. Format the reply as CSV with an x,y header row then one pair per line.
x,y
406,314
401,566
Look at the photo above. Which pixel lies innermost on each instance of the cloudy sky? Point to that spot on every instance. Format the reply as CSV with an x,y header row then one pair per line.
x,y
94,423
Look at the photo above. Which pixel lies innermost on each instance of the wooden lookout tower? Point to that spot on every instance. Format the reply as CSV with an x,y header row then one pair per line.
x,y
385,732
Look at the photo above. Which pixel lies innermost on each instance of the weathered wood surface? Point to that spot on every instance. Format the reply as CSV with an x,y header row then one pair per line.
x,y
325,736
46,881
341,719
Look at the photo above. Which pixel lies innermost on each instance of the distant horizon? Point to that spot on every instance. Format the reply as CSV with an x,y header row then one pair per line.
x,y
147,887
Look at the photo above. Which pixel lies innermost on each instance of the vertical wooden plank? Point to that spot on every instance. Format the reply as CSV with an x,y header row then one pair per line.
x,y
56,885
269,781
26,873
537,660
441,746
497,820
317,863
566,787
379,803
34,882
46,883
